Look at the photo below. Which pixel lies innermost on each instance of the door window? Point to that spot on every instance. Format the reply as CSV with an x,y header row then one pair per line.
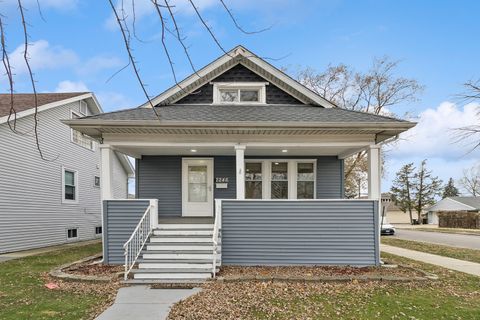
x,y
197,183
279,185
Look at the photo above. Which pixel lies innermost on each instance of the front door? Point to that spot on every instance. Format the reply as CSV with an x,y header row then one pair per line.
x,y
197,187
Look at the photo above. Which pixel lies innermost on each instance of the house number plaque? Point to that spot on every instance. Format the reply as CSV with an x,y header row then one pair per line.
x,y
221,182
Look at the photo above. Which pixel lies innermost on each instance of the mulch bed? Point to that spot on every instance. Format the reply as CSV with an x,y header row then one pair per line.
x,y
94,268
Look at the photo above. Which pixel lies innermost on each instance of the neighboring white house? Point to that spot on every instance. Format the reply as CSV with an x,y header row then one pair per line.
x,y
453,204
56,200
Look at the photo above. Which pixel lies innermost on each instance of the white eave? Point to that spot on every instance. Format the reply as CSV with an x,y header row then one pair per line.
x,y
239,55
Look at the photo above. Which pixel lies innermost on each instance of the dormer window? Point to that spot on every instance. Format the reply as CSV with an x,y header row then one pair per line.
x,y
239,92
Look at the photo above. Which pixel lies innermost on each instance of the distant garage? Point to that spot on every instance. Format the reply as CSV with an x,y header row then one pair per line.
x,y
454,205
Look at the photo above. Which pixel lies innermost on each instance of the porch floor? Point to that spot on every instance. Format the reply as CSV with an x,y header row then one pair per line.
x,y
186,220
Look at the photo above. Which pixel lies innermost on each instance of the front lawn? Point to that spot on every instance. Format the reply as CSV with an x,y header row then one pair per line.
x,y
446,251
454,296
23,294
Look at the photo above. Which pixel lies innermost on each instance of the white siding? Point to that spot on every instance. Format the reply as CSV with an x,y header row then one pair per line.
x,y
31,210
120,180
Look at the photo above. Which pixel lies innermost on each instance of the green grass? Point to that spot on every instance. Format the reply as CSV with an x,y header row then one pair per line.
x,y
446,251
24,296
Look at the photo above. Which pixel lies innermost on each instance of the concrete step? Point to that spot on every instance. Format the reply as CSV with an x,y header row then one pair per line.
x,y
181,239
181,226
171,282
173,276
175,265
180,256
183,232
170,271
180,247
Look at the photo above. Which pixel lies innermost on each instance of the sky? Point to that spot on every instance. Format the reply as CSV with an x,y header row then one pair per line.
x,y
76,46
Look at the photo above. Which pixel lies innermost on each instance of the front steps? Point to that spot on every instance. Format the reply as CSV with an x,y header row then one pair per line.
x,y
177,253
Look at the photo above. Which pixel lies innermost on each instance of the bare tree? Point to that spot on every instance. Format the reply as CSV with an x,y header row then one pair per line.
x,y
470,181
168,24
377,91
428,187
471,94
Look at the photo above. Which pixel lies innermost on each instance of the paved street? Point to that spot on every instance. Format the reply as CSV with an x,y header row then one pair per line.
x,y
448,239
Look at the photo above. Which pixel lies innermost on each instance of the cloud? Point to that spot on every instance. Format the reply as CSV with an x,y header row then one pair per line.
x,y
98,64
435,134
71,86
42,55
434,138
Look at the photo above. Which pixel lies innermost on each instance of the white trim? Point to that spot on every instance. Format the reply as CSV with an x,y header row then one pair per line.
x,y
72,238
374,172
240,170
76,185
239,86
238,53
292,165
79,115
55,104
319,200
106,172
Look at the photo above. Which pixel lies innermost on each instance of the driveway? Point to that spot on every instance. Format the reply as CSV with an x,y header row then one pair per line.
x,y
447,239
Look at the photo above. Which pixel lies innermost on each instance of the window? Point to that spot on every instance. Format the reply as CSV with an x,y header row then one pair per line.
x,y
70,190
239,92
96,181
79,138
253,180
279,188
83,108
98,231
72,233
280,179
305,180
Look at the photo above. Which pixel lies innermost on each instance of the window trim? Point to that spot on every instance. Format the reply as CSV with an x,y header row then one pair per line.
x,y
292,165
260,86
72,238
79,114
99,181
80,105
75,201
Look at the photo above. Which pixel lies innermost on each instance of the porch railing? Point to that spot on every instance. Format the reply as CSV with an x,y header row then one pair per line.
x,y
134,245
216,230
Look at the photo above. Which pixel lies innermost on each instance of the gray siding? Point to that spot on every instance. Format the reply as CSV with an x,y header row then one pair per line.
x,y
32,214
239,73
300,232
160,177
120,218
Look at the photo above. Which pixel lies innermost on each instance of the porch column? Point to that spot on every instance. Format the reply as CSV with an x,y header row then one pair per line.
x,y
240,160
374,172
106,172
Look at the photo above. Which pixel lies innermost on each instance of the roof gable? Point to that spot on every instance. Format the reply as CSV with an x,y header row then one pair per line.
x,y
240,55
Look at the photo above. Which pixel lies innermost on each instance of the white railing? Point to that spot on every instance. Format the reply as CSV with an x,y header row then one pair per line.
x,y
134,245
216,230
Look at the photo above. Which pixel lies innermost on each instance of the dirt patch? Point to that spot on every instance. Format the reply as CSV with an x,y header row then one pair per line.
x,y
94,268
315,272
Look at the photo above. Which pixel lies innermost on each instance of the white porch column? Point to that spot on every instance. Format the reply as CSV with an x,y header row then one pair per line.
x,y
374,172
106,172
240,157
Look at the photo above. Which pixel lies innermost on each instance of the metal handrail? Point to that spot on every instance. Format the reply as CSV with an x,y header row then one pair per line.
x,y
134,245
216,226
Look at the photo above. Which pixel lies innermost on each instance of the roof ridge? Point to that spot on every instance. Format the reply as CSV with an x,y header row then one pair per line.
x,y
374,114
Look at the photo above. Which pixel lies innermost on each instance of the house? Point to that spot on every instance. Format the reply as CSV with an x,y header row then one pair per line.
x,y
239,164
453,204
393,214
55,200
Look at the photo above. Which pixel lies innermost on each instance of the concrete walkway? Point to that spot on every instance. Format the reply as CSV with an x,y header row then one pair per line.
x,y
445,262
143,303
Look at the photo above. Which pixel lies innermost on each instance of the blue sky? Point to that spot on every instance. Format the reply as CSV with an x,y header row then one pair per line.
x,y
78,47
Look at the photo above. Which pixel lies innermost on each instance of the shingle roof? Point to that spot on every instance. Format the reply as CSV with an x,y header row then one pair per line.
x,y
469,201
25,101
238,113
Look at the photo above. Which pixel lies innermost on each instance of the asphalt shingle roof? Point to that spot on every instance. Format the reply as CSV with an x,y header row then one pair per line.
x,y
225,113
25,101
469,201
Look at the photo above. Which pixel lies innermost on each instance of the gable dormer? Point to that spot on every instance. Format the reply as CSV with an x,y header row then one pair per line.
x,y
236,71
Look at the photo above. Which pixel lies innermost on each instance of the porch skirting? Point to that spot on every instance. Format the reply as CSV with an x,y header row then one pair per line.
x,y
310,232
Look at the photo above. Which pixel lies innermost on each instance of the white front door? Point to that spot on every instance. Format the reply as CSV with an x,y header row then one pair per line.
x,y
197,187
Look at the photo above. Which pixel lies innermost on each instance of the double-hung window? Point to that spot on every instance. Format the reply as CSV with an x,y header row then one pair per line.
x,y
69,186
280,179
78,137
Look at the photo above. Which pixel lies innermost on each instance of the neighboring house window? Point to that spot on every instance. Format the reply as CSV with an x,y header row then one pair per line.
x,y
239,92
96,181
70,185
280,179
98,231
72,233
83,108
79,138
